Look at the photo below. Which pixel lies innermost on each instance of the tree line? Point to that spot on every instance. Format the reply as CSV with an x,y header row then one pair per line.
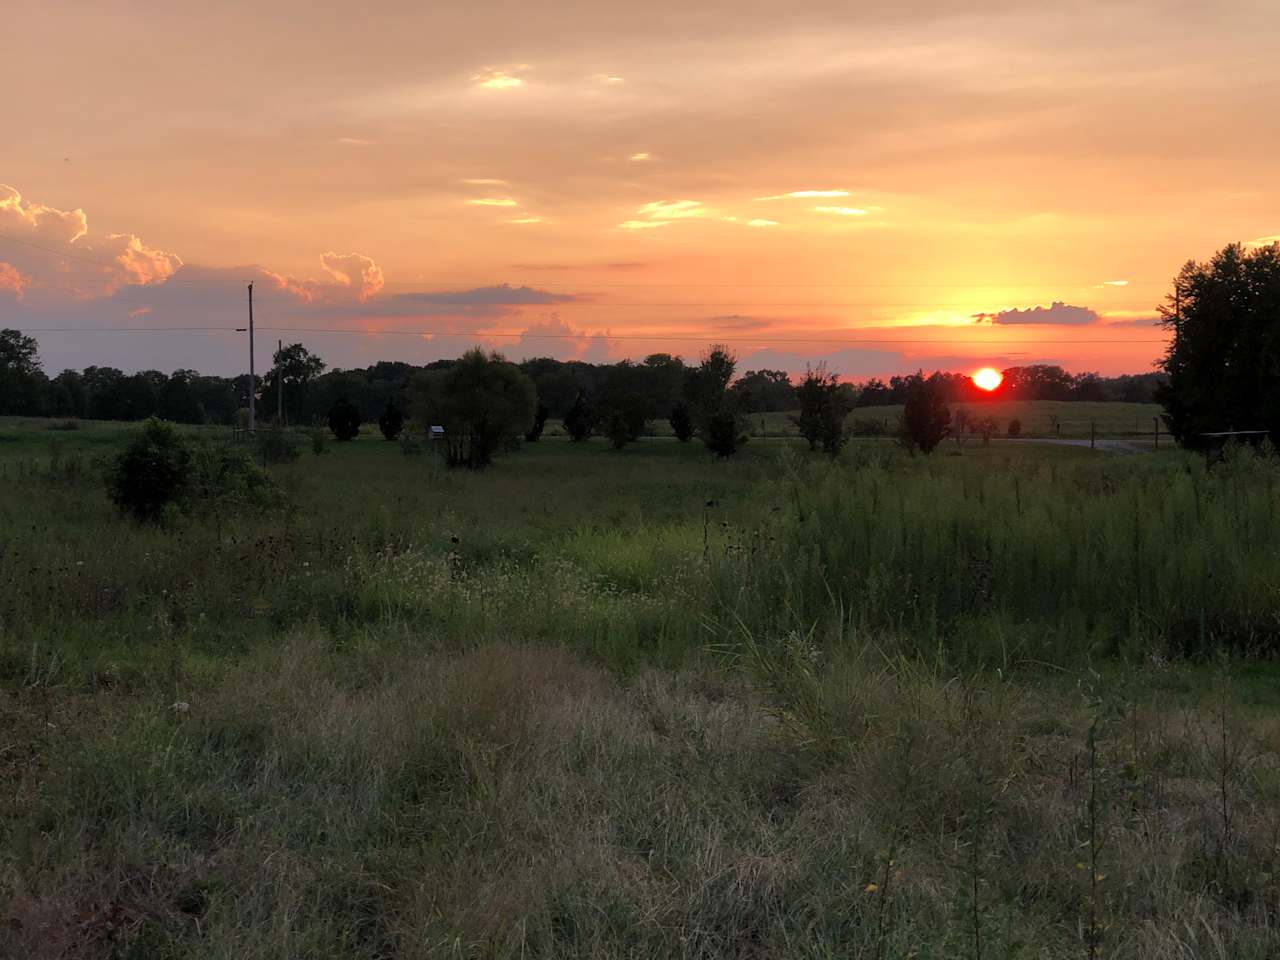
x,y
632,392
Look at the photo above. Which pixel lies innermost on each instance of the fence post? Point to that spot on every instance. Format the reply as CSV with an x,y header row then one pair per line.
x,y
1093,434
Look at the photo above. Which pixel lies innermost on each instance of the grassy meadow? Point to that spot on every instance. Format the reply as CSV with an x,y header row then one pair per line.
x,y
1012,701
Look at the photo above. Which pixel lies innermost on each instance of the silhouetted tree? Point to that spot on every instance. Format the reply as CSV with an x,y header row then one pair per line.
x,y
484,403
22,384
722,433
617,429
540,414
391,422
682,422
1015,428
1223,362
926,421
294,368
823,408
344,419
579,420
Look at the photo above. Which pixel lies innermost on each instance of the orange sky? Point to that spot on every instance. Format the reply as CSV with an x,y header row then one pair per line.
x,y
886,185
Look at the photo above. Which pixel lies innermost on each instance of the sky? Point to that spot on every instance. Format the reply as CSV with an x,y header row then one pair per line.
x,y
883,185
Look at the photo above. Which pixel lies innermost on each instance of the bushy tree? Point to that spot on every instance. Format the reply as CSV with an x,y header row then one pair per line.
x,y
580,420
722,433
617,429
715,413
540,414
682,422
1015,428
824,404
344,419
483,402
152,473
391,422
1223,362
926,421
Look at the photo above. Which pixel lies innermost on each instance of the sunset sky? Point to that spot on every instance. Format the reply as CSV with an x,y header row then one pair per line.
x,y
884,185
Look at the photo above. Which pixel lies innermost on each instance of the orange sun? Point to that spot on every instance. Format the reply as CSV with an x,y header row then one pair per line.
x,y
987,378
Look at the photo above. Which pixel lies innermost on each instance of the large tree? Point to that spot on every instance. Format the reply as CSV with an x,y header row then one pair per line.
x,y
22,385
1223,362
294,367
482,401
824,404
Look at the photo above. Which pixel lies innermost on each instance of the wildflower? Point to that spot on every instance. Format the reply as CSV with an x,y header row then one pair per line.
x,y
871,887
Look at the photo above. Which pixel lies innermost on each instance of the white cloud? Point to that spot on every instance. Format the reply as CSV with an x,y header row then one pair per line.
x,y
1263,241
526,220
609,80
641,157
643,224
1114,283
842,211
493,202
761,222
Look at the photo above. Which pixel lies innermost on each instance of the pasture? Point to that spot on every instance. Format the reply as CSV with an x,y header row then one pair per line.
x,y
1013,700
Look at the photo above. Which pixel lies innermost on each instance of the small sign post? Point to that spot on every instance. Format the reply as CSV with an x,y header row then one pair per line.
x,y
435,435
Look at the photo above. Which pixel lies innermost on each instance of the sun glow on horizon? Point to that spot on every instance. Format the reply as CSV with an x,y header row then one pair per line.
x,y
988,378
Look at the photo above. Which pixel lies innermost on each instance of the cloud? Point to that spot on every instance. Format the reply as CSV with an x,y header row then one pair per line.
x,y
493,202
357,142
1057,313
842,211
608,80
495,79
526,220
641,157
806,194
761,222
11,281
1114,283
55,248
484,182
47,223
643,224
1263,241
738,323
672,209
354,270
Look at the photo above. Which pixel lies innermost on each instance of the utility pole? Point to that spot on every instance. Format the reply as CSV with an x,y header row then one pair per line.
x,y
253,379
279,385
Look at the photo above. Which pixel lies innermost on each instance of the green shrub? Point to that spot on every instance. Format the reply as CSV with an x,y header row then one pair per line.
x,y
722,433
152,474
276,445
223,476
579,420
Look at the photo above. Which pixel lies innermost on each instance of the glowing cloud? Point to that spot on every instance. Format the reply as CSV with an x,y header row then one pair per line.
x,y
11,281
761,222
484,182
672,209
806,194
357,142
609,80
492,79
1115,283
526,220
50,224
643,224
1263,241
493,202
355,271
842,211
640,157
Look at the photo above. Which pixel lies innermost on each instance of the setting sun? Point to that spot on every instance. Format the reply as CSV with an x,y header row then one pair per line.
x,y
988,378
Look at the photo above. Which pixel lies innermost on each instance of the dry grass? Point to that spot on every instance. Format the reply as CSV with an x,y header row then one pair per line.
x,y
516,801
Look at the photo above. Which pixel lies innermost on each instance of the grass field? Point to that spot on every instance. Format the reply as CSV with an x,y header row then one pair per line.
x,y
1006,701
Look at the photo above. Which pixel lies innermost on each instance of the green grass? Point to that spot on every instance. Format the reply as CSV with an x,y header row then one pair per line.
x,y
644,703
